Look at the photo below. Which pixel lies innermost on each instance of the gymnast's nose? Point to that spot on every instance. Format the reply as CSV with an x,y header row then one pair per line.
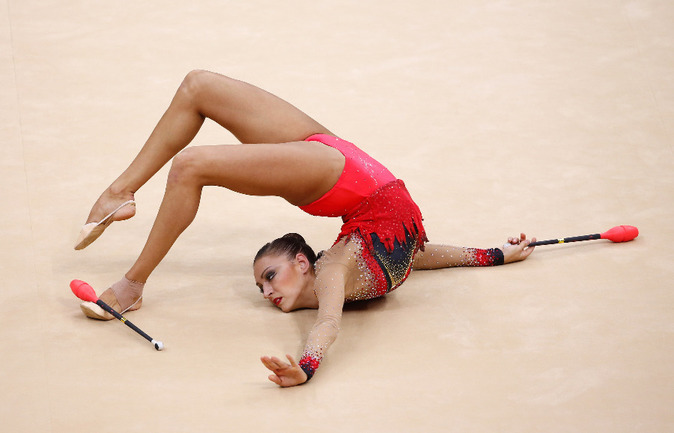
x,y
267,290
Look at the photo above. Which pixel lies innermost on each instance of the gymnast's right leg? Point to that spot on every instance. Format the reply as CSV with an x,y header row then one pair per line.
x,y
299,172
248,112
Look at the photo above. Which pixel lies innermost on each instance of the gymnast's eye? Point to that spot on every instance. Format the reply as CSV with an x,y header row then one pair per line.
x,y
268,276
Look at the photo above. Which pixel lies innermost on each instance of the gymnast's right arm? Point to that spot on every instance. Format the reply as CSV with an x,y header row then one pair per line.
x,y
329,288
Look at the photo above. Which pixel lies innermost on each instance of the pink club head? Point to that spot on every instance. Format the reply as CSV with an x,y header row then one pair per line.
x,y
83,291
621,234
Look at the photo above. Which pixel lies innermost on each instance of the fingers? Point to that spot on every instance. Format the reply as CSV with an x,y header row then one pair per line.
x,y
529,249
277,366
526,250
284,374
525,242
292,361
266,361
274,364
517,248
517,240
274,378
526,253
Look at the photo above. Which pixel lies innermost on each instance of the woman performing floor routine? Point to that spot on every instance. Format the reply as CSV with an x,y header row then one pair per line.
x,y
284,153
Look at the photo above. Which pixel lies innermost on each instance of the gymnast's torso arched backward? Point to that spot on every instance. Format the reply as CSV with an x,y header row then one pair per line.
x,y
373,254
379,215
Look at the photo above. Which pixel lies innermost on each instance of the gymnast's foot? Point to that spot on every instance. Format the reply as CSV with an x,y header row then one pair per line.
x,y
108,208
125,295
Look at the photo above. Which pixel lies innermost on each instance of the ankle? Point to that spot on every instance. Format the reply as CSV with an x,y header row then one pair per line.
x,y
119,192
127,291
132,277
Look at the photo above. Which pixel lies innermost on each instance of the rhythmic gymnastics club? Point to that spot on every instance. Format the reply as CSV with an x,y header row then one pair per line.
x,y
86,293
616,234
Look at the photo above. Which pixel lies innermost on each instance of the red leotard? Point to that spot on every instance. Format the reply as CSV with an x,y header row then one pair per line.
x,y
383,230
362,175
369,199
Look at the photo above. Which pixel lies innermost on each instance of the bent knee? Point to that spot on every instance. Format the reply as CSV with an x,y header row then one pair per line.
x,y
186,167
194,84
198,82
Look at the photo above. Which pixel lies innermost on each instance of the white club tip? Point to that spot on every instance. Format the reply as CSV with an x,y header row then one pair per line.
x,y
158,345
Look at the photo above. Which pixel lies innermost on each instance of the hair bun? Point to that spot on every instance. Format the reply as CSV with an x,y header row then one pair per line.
x,y
295,237
289,244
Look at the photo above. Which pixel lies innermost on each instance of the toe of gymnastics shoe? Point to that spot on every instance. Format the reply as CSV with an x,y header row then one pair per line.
x,y
94,311
91,231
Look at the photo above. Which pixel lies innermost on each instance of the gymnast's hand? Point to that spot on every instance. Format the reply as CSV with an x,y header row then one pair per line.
x,y
517,249
284,374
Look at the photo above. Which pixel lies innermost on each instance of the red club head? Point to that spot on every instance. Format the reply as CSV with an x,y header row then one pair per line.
x,y
83,291
621,234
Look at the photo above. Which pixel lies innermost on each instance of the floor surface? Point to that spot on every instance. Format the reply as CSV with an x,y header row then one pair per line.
x,y
552,118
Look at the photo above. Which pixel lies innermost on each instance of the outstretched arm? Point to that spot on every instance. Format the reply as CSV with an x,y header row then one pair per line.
x,y
446,256
330,293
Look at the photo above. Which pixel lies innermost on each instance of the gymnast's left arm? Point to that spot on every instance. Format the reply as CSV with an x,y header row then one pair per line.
x,y
330,292
437,256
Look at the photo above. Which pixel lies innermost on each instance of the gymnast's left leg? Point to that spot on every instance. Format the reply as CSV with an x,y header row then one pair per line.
x,y
250,113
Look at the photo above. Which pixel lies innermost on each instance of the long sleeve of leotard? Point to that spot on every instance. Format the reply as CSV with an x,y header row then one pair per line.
x,y
445,256
329,288
481,257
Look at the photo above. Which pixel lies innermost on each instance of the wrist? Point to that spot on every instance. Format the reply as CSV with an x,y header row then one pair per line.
x,y
499,257
488,257
309,365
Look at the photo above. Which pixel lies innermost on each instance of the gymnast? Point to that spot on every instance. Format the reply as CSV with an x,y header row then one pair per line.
x,y
284,153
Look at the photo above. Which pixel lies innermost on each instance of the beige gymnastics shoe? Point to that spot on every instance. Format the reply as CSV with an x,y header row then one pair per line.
x,y
91,231
94,311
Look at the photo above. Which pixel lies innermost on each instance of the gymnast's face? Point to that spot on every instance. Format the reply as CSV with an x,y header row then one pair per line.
x,y
281,279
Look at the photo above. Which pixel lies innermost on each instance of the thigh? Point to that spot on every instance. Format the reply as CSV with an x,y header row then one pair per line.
x,y
300,172
397,263
253,115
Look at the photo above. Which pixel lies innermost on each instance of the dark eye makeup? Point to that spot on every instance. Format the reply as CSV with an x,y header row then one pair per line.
x,y
268,276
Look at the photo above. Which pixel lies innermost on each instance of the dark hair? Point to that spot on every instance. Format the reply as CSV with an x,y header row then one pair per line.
x,y
289,244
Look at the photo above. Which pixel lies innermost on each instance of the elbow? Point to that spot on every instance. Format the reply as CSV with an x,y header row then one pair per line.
x,y
329,327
